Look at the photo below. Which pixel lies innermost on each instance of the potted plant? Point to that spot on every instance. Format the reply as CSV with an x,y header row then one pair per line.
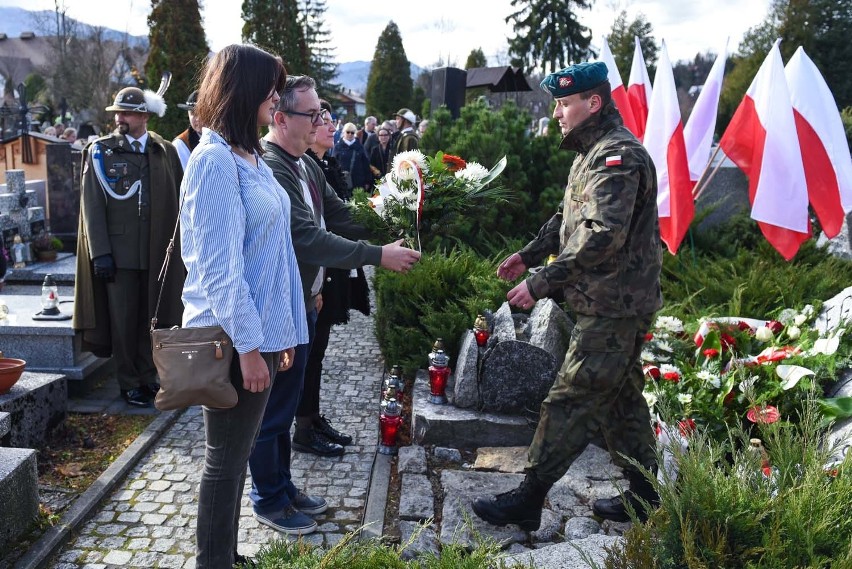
x,y
46,246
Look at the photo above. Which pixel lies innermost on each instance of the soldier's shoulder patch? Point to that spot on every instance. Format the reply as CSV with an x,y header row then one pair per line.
x,y
613,160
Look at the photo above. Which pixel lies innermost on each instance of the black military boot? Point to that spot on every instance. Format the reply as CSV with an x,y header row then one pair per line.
x,y
615,509
521,506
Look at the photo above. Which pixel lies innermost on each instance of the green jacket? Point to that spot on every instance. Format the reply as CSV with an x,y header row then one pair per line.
x,y
109,226
606,232
336,245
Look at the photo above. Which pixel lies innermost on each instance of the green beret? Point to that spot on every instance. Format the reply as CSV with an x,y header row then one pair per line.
x,y
575,79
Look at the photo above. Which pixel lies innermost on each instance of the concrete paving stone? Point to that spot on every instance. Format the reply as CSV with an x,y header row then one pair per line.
x,y
138,543
170,561
162,532
118,557
177,521
112,543
137,531
110,529
145,507
93,566
93,557
162,545
176,477
137,485
71,556
159,485
167,509
144,559
130,517
154,519
104,517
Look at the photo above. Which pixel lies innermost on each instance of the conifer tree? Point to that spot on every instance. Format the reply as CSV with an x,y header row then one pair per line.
x,y
476,58
320,56
178,45
623,45
389,85
549,36
275,25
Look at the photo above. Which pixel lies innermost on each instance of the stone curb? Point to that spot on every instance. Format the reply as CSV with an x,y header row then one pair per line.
x,y
55,537
373,520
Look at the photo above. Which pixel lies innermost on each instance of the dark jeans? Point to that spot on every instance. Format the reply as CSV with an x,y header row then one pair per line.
x,y
230,436
272,488
309,406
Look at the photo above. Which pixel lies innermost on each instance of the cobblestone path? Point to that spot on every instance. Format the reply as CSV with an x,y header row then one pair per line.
x,y
150,520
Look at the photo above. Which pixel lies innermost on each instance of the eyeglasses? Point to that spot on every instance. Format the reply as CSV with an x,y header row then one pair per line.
x,y
384,134
349,131
317,117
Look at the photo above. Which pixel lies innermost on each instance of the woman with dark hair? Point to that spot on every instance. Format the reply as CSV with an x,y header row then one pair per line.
x,y
343,289
244,279
380,152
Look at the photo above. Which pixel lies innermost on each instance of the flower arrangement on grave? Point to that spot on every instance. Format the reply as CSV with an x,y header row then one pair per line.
x,y
723,372
423,194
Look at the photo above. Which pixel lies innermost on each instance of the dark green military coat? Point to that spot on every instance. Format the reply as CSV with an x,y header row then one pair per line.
x,y
607,232
109,226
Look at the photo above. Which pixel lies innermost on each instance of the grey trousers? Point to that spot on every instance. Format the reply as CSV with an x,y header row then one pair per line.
x,y
230,437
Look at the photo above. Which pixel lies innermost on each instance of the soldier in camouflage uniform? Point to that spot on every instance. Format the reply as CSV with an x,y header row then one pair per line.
x,y
608,268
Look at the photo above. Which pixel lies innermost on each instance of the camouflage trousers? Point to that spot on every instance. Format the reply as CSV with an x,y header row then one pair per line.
x,y
599,387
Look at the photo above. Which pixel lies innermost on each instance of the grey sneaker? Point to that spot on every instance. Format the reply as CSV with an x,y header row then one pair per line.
x,y
292,522
309,504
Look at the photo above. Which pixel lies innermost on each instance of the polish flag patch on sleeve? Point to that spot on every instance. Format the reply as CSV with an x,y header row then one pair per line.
x,y
613,160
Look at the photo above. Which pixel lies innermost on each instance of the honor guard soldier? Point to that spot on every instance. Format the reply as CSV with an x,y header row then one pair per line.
x,y
128,209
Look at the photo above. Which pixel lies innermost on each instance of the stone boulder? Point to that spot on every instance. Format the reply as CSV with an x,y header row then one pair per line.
x,y
463,387
516,377
550,329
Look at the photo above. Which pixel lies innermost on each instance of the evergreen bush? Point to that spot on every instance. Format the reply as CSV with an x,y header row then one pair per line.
x,y
724,511
439,298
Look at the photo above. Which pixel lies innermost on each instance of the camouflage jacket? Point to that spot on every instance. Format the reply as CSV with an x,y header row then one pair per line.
x,y
606,232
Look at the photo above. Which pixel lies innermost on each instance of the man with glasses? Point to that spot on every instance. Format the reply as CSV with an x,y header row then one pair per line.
x,y
323,236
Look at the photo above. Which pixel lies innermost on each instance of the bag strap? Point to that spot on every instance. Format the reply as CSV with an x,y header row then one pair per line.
x,y
171,247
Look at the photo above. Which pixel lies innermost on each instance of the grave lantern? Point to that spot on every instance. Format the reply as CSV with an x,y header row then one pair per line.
x,y
390,421
49,297
439,374
394,381
480,331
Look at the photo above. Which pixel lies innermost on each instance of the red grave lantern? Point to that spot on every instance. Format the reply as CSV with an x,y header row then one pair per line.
x,y
480,331
390,421
439,373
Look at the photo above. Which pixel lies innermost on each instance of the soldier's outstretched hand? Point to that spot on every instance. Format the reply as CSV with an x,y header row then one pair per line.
x,y
511,268
398,258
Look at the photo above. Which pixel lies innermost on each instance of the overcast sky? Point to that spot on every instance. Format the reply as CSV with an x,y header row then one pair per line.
x,y
447,30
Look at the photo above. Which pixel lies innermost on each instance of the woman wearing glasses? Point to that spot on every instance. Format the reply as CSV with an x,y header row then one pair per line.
x,y
245,279
380,153
353,159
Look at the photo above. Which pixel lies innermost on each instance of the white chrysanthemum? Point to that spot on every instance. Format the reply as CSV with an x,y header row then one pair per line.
x,y
650,399
684,398
710,378
667,368
648,356
664,346
670,323
404,162
473,172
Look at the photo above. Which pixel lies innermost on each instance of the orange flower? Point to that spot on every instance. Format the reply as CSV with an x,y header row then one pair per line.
x,y
454,163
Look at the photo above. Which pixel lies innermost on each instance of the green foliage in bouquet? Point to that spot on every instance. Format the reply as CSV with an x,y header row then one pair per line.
x,y
439,298
715,375
536,171
423,197
728,508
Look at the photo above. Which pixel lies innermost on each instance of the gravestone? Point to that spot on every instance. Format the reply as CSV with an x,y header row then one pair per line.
x,y
63,191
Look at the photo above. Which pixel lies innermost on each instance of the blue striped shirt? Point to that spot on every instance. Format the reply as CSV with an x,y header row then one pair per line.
x,y
238,251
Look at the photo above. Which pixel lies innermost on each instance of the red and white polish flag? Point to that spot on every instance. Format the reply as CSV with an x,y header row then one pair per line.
x,y
639,90
664,141
701,124
825,152
761,139
619,93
